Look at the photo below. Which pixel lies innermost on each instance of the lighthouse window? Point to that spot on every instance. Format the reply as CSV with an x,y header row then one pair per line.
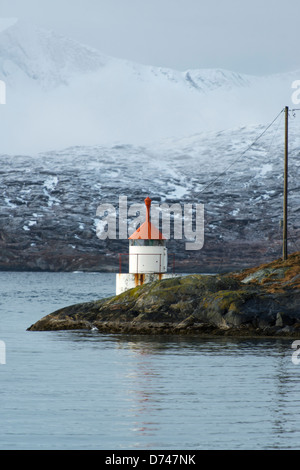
x,y
154,242
139,242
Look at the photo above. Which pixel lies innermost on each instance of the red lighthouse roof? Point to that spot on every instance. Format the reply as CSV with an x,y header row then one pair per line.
x,y
147,231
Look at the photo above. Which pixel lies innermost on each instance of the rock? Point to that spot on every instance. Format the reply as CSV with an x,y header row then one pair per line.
x,y
279,321
196,304
283,320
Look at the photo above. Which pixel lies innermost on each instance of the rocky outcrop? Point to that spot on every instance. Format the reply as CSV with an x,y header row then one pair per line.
x,y
263,301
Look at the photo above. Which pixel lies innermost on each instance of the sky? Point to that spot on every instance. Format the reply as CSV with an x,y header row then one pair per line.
x,y
254,36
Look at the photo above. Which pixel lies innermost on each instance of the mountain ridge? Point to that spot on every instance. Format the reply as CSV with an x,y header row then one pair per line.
x,y
128,129
61,93
49,206
23,39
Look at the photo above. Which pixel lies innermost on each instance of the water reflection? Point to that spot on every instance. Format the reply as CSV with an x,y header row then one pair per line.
x,y
143,387
212,345
286,418
274,381
200,392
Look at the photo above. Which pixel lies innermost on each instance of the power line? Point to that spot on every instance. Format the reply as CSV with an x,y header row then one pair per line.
x,y
242,154
285,110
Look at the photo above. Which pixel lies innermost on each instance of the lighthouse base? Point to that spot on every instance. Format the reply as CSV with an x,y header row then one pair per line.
x,y
126,281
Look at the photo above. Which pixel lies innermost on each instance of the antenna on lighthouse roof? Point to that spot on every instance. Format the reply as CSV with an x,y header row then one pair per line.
x,y
148,204
147,231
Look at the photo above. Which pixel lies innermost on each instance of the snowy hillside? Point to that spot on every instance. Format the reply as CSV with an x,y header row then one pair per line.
x,y
49,204
61,93
52,60
80,128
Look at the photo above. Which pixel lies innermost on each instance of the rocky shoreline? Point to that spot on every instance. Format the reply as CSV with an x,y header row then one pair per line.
x,y
262,301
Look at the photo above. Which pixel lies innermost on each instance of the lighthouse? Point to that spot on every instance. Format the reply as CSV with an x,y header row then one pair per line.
x,y
148,256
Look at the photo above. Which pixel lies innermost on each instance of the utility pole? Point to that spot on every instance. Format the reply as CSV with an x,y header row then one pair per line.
x,y
285,189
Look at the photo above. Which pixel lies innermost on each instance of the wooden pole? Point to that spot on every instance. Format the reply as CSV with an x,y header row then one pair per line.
x,y
285,189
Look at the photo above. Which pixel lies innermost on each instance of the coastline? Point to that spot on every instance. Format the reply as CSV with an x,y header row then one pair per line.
x,y
257,302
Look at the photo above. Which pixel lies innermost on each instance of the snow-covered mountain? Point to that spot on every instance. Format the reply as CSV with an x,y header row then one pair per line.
x,y
61,93
80,128
48,208
47,58
52,60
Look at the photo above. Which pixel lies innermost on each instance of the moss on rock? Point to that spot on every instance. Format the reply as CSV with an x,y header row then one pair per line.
x,y
262,301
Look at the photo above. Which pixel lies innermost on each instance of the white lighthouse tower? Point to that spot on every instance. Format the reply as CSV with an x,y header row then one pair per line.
x,y
148,256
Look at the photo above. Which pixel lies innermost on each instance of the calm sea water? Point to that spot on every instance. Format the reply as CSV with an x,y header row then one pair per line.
x,y
85,390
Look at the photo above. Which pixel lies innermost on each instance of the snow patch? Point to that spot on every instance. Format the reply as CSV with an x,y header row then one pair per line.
x,y
49,186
